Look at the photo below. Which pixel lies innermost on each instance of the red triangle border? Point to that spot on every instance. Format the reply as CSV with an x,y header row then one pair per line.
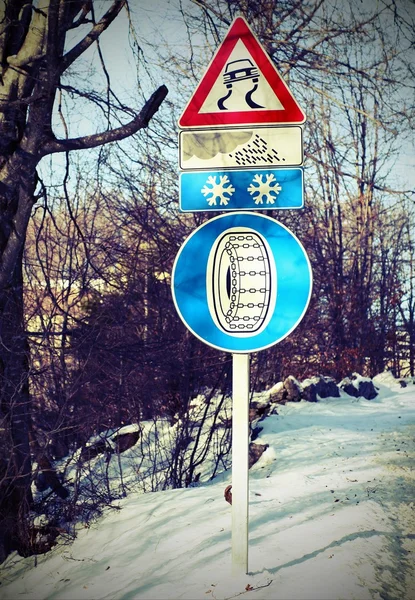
x,y
292,113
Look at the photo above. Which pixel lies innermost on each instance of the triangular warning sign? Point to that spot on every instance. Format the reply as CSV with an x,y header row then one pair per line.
x,y
241,86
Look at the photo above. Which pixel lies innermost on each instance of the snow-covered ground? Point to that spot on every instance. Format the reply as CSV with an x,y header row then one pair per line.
x,y
331,517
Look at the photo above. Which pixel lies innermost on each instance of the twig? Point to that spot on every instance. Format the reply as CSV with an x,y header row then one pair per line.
x,y
250,589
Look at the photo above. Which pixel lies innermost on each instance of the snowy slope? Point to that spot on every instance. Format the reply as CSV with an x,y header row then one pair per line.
x,y
331,517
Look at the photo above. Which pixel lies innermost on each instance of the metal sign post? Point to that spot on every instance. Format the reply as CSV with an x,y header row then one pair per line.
x,y
240,478
241,282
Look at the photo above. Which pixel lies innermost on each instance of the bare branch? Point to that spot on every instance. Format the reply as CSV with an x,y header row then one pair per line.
x,y
92,141
82,20
93,35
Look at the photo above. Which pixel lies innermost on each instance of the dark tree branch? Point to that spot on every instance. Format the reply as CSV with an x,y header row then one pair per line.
x,y
93,35
82,19
141,121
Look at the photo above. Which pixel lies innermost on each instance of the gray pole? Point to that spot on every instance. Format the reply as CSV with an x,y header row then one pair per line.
x,y
240,447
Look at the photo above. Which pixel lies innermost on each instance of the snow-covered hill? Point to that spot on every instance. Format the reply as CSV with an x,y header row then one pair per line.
x,y
331,517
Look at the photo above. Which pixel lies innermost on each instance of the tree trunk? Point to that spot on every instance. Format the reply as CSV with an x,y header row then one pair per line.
x,y
18,182
15,494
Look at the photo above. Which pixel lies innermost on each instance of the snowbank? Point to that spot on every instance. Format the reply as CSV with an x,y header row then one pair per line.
x,y
331,517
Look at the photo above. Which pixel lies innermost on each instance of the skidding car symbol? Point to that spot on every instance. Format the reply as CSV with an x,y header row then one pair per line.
x,y
239,70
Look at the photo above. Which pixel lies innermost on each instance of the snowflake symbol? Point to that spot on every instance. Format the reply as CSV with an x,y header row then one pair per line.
x,y
264,188
218,190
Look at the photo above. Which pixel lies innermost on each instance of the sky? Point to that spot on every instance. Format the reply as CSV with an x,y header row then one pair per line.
x,y
331,506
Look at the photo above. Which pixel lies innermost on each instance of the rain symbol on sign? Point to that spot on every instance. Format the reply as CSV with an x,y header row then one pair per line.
x,y
256,152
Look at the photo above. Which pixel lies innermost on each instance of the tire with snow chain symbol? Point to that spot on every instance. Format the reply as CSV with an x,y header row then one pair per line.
x,y
241,285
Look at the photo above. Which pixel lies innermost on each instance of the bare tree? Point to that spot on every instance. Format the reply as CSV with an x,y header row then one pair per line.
x,y
35,55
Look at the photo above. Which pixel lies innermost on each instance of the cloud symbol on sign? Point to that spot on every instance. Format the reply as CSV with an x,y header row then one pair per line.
x,y
207,144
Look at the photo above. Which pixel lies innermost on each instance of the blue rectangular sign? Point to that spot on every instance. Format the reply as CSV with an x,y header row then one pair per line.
x,y
259,189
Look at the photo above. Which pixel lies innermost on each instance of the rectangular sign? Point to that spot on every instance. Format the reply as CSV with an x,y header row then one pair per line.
x,y
259,189
241,148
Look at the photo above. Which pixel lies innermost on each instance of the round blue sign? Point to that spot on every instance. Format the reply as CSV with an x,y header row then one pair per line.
x,y
241,282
